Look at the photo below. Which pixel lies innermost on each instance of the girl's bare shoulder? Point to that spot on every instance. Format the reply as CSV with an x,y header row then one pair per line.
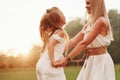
x,y
61,33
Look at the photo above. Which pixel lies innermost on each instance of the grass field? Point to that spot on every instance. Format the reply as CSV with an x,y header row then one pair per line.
x,y
29,74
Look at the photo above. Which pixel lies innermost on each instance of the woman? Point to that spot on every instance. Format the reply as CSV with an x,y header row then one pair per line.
x,y
54,39
94,37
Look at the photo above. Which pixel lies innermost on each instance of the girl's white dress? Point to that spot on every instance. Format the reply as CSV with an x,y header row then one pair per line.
x,y
98,67
44,69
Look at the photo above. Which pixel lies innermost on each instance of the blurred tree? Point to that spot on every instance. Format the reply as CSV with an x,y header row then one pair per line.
x,y
73,27
114,17
2,60
34,55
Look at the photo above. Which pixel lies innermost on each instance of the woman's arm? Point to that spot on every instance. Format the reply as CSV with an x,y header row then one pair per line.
x,y
100,27
97,28
77,38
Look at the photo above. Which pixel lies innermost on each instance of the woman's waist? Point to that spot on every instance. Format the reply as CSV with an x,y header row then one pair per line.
x,y
96,51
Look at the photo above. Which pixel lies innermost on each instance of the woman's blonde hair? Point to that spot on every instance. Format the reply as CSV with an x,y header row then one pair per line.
x,y
50,22
98,9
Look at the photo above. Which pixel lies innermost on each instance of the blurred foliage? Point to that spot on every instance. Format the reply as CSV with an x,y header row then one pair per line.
x,y
21,61
114,48
73,27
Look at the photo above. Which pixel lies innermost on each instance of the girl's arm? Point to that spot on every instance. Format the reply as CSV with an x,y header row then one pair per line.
x,y
51,46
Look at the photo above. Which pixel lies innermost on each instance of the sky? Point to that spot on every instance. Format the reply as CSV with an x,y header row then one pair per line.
x,y
19,19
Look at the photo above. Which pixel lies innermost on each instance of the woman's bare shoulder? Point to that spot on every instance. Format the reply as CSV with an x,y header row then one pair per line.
x,y
102,20
102,24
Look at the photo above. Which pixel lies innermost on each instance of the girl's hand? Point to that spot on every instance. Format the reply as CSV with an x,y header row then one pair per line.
x,y
56,64
63,62
60,63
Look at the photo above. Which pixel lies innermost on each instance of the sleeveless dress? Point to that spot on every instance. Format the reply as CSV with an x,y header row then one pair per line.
x,y
44,69
97,67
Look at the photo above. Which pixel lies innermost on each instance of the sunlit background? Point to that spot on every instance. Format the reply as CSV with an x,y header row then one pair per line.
x,y
19,20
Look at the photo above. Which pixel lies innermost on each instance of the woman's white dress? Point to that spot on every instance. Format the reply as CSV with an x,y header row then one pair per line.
x,y
44,69
98,67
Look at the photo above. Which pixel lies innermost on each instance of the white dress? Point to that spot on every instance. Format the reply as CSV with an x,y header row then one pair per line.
x,y
44,69
98,67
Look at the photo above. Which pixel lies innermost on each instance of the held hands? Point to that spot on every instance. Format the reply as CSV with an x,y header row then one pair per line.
x,y
60,63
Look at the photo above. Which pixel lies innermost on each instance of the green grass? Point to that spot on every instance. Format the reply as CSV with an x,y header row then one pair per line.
x,y
117,72
29,74
72,72
18,74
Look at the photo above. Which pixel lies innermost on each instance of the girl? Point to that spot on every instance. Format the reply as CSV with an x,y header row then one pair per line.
x,y
54,39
